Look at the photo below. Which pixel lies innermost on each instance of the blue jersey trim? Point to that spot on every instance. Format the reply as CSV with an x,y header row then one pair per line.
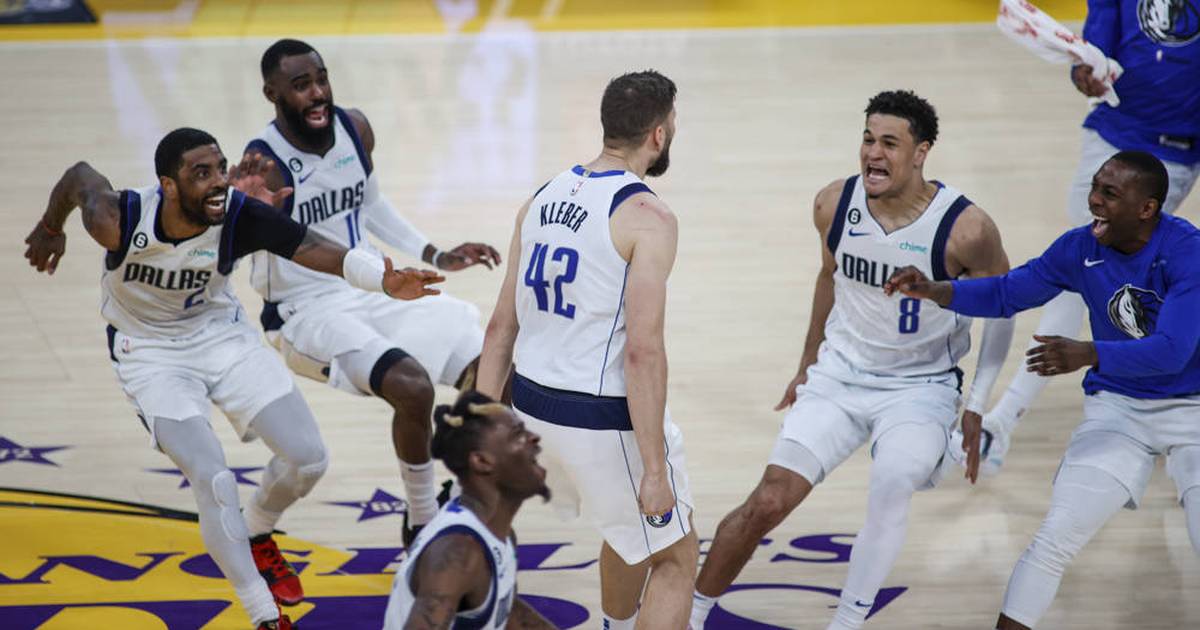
x,y
626,192
578,170
461,621
358,145
225,257
111,332
541,188
260,146
942,236
570,409
634,489
131,214
839,216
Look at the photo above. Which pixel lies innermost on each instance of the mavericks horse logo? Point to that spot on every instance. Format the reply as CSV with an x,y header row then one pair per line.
x,y
1170,22
1134,311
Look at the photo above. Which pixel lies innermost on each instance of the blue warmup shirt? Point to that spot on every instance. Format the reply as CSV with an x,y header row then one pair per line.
x,y
1144,308
1158,45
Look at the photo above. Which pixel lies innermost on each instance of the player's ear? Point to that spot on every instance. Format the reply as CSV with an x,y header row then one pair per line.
x,y
169,187
481,462
1148,209
269,91
921,152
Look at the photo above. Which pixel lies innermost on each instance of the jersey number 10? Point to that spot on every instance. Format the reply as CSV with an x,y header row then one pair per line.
x,y
535,278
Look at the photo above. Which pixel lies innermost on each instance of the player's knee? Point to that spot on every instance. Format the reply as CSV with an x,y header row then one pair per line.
x,y
767,507
406,384
225,495
309,474
1057,541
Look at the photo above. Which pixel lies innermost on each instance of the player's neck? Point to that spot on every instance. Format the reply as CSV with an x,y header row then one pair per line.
x,y
304,143
611,159
176,225
491,507
1139,240
909,201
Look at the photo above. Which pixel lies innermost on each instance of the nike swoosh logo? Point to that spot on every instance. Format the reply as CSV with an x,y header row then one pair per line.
x,y
853,233
1091,263
862,604
304,178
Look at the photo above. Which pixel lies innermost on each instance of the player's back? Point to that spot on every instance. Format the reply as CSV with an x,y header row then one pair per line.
x,y
572,284
892,336
328,194
501,556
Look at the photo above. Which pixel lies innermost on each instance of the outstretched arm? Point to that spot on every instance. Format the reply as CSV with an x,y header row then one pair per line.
x,y
496,359
83,187
449,569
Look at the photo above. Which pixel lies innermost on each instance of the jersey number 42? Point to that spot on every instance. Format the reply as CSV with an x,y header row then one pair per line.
x,y
535,278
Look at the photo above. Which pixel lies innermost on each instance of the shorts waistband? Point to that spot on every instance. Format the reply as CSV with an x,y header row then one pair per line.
x,y
571,409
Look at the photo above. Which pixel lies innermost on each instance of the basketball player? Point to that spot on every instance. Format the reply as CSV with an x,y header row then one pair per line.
x,y
1138,271
462,569
178,339
327,329
876,370
591,253
1157,42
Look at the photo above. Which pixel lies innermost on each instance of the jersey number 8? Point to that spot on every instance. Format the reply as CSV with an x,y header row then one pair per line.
x,y
535,278
910,315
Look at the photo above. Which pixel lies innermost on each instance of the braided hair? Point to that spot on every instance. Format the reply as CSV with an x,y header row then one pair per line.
x,y
459,429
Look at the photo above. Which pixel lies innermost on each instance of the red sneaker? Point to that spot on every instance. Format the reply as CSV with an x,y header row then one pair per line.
x,y
279,574
282,623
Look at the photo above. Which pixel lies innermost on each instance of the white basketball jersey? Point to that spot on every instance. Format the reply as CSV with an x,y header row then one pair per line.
x,y
897,335
160,288
453,518
327,197
571,291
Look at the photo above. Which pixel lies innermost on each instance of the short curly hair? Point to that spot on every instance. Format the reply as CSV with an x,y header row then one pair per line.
x,y
921,116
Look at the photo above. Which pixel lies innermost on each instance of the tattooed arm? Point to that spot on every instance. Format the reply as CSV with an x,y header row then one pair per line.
x,y
524,617
452,573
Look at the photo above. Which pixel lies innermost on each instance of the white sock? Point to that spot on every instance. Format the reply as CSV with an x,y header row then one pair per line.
x,y
619,624
850,615
420,490
256,598
258,520
1061,316
701,605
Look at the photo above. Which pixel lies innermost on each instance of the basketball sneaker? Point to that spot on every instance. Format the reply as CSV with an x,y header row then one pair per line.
x,y
282,623
281,577
409,534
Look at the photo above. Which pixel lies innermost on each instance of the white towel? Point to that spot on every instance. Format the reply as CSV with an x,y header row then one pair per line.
x,y
1030,27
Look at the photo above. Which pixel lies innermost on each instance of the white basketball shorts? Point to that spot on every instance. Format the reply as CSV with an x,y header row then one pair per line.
x,y
441,332
1123,436
228,364
834,415
594,469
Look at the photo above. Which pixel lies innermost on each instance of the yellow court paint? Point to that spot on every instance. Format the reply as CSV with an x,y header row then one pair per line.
x,y
126,19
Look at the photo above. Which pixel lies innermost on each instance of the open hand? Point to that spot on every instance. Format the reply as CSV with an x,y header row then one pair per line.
x,y
789,394
1059,355
45,249
250,177
972,432
466,255
408,283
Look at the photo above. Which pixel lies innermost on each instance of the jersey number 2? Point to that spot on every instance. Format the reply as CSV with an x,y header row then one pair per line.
x,y
535,278
910,315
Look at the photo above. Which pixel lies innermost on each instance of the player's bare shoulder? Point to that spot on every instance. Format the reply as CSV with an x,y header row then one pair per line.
x,y
362,126
825,205
643,217
974,247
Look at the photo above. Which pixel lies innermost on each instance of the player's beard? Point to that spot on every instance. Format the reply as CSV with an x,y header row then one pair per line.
x,y
663,162
195,213
321,137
